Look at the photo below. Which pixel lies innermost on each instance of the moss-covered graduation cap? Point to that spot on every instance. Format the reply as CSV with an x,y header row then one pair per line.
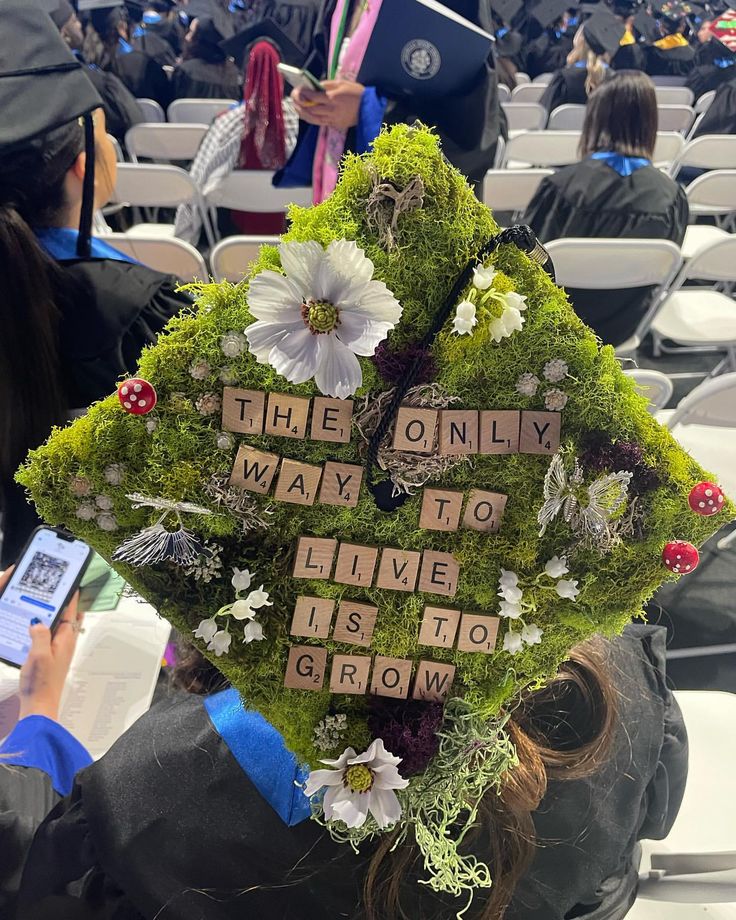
x,y
395,352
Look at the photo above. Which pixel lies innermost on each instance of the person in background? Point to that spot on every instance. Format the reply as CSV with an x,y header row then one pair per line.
x,y
75,313
508,49
670,55
614,191
144,38
550,39
161,17
630,54
715,64
720,118
205,72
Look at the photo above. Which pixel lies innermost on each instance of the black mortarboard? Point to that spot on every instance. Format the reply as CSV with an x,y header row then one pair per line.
x,y
506,9
43,87
603,32
197,9
267,29
672,10
87,6
646,25
547,12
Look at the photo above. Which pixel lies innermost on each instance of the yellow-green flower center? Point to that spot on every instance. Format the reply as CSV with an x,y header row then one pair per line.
x,y
320,316
358,778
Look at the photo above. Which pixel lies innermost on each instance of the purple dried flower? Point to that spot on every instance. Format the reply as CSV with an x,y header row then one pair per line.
x,y
601,453
393,365
408,729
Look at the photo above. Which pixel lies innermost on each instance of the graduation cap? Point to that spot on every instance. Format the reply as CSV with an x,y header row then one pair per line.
x,y
646,26
506,9
547,12
603,32
87,6
267,30
723,31
43,87
674,11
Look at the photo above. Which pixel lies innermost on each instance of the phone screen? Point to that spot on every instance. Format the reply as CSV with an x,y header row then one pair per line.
x,y
38,588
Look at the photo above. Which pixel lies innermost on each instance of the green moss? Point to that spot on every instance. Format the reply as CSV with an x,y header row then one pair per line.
x,y
179,457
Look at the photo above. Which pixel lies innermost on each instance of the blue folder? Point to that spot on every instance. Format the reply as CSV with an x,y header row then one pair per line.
x,y
421,48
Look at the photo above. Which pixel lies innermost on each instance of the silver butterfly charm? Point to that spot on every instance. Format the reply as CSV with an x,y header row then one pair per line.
x,y
157,544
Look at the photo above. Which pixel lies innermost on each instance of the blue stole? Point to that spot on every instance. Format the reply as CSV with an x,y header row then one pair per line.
x,y
624,166
61,244
124,47
44,744
261,754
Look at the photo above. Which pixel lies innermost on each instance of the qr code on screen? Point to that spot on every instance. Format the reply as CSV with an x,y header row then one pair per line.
x,y
43,575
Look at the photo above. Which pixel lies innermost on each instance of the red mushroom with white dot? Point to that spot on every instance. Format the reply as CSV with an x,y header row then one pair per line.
x,y
706,498
137,396
680,557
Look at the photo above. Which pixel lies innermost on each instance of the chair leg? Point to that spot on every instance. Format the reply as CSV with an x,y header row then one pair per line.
x,y
656,344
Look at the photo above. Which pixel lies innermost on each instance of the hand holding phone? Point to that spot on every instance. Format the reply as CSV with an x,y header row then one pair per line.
x,y
300,79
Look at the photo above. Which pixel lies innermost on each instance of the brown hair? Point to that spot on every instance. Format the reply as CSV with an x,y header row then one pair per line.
x,y
563,731
621,116
595,64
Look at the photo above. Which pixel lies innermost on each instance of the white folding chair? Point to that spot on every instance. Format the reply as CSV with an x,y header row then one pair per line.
x,y
668,80
512,189
504,93
674,95
164,143
231,257
654,386
614,264
522,78
171,256
567,118
119,156
149,185
544,78
668,146
698,318
675,118
712,194
703,103
711,151
198,111
252,190
152,111
527,92
542,148
524,116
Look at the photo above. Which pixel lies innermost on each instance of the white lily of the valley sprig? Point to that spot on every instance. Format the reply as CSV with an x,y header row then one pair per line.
x,y
358,784
556,567
465,318
483,277
508,587
567,588
218,640
315,319
514,642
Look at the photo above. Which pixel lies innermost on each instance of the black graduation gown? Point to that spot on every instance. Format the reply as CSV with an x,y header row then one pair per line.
x,y
590,199
669,62
155,46
110,311
199,79
167,817
143,76
721,116
121,109
566,87
547,53
629,57
706,75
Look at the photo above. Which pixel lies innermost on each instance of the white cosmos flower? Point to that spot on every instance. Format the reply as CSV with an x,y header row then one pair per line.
x,y
483,277
220,642
258,599
241,610
241,580
567,588
206,629
465,318
512,642
556,567
359,783
512,611
531,634
327,309
253,632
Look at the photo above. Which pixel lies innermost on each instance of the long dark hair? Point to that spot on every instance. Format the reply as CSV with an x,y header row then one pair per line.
x,y
621,116
101,36
31,392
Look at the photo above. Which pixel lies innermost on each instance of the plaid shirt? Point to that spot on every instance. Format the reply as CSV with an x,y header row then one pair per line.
x,y
217,157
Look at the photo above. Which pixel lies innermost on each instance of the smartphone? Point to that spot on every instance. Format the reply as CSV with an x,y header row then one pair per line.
x,y
297,77
42,584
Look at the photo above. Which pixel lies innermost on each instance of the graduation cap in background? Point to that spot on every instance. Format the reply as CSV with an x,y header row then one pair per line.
x,y
88,6
646,26
603,32
548,12
44,88
723,30
505,10
267,30
673,11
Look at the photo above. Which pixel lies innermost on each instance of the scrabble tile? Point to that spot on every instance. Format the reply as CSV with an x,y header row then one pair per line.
x,y
253,469
398,569
458,431
314,556
312,617
331,419
540,432
355,623
355,564
391,677
415,429
439,573
439,627
484,511
441,509
305,669
499,431
242,410
477,633
286,416
341,484
350,673
297,482
433,681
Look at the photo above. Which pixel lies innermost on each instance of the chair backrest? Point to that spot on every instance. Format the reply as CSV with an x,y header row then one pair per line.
x,y
711,151
119,156
231,257
504,93
675,118
613,264
511,189
171,255
703,102
251,190
522,78
152,111
543,148
714,262
567,118
713,193
674,95
154,186
164,142
668,146
524,116
653,386
544,78
668,80
527,92
198,111
713,402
